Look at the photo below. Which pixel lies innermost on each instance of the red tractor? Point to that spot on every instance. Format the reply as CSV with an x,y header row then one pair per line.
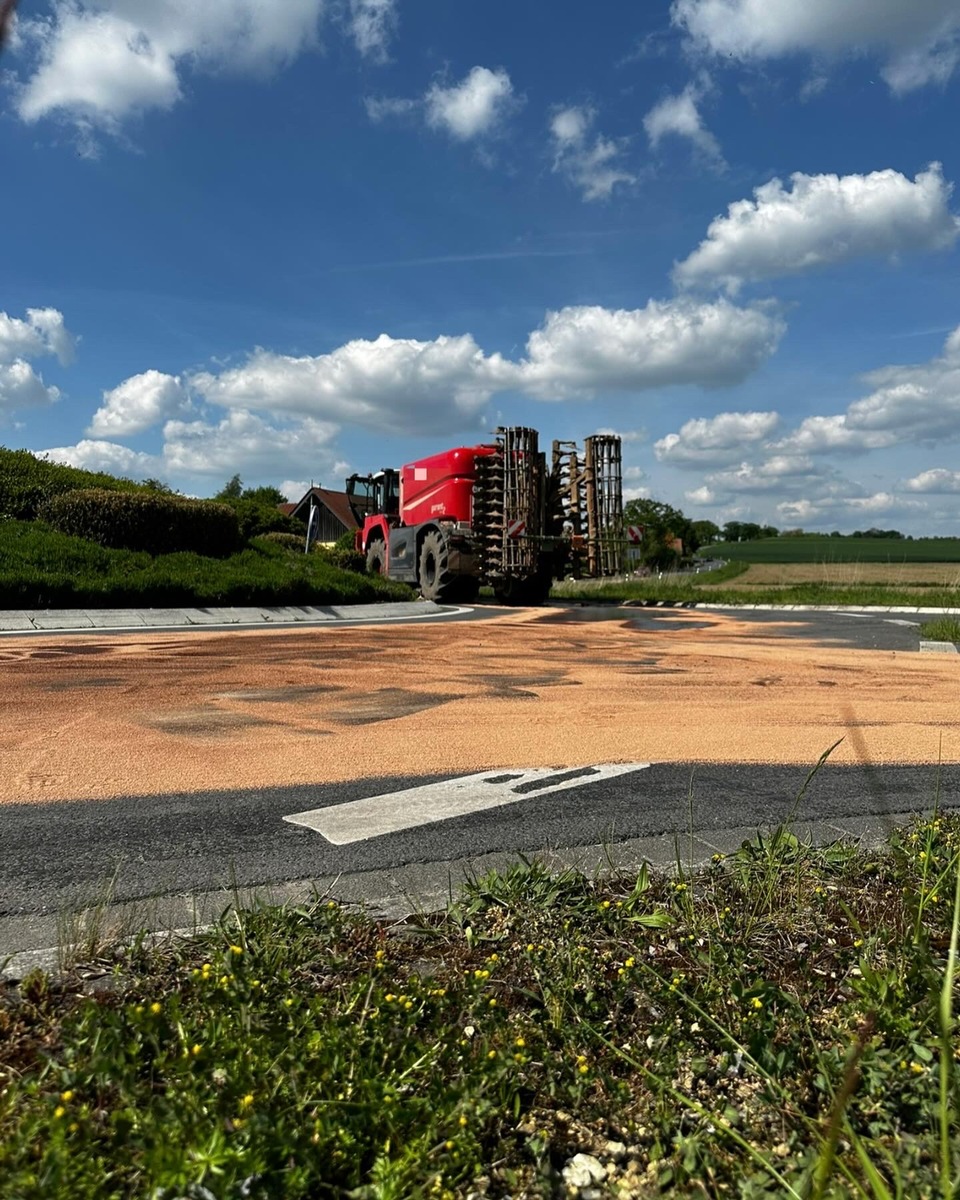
x,y
493,514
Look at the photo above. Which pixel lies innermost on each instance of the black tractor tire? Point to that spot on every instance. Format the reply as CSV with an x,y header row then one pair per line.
x,y
376,557
436,580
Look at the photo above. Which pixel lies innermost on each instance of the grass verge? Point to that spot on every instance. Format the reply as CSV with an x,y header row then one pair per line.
x,y
707,587
781,1023
40,568
944,629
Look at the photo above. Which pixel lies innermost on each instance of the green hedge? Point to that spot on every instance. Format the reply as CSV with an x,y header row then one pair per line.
x,y
257,519
40,568
150,521
26,482
289,541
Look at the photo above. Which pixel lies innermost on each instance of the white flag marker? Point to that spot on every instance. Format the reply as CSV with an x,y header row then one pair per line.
x,y
391,812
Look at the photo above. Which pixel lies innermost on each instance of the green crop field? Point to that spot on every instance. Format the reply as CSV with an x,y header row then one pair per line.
x,y
825,549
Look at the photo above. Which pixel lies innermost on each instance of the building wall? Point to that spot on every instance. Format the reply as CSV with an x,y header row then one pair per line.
x,y
329,528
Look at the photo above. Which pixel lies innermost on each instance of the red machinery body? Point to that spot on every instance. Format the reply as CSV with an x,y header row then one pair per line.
x,y
440,487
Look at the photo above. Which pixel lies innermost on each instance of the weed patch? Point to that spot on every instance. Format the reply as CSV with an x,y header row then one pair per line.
x,y
779,1024
944,629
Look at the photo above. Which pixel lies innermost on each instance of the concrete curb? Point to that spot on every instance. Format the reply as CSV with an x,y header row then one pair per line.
x,y
840,608
126,619
393,895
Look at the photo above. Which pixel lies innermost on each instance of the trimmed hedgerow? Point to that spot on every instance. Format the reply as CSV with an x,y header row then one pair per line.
x,y
26,482
40,568
150,521
289,541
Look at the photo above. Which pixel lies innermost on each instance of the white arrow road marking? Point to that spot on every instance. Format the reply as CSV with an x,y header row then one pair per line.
x,y
375,816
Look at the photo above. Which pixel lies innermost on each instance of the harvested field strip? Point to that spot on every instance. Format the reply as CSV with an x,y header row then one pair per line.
x,y
845,574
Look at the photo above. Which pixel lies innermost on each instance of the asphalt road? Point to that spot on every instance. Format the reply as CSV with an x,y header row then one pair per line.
x,y
185,843
181,847
853,630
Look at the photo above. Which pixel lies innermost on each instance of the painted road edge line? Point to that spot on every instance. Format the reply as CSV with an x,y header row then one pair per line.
x,y
392,812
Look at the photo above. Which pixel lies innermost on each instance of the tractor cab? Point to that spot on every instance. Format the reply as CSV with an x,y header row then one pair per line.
x,y
374,495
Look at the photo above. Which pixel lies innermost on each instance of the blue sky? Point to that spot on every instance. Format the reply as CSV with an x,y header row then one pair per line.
x,y
292,240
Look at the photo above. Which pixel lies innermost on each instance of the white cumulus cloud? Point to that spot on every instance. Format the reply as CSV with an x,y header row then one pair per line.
x,y
41,333
679,116
99,61
445,384
591,162
938,480
918,39
585,349
106,456
919,402
22,387
821,220
715,440
244,442
381,384
832,435
138,403
772,474
473,107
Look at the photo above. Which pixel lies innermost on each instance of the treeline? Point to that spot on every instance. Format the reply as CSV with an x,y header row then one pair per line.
x,y
748,531
670,537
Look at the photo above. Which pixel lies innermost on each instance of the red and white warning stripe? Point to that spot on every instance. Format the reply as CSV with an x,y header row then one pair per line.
x,y
516,528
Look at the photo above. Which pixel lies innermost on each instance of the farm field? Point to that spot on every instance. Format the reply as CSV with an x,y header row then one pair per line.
x,y
900,575
823,549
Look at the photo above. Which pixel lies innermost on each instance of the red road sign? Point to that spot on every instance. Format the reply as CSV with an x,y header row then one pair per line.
x,y
635,534
516,528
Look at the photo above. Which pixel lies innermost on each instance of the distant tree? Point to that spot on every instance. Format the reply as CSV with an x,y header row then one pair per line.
x,y
257,508
794,533
157,485
769,531
731,531
744,531
663,526
706,532
231,490
265,495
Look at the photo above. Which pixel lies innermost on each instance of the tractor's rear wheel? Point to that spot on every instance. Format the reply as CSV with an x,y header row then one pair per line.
x,y
377,557
437,582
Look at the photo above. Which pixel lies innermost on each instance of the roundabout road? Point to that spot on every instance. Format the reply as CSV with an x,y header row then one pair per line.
x,y
179,763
